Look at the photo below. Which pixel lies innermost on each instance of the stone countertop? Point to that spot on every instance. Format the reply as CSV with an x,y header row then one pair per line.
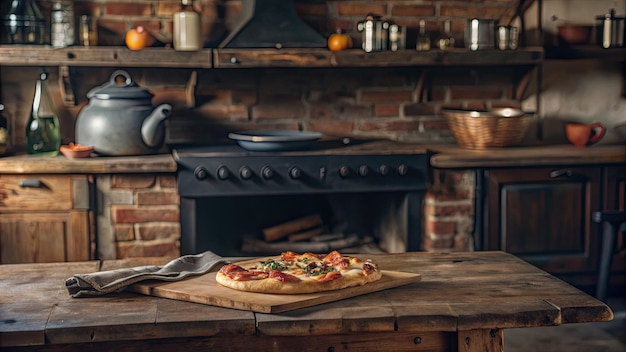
x,y
451,156
444,156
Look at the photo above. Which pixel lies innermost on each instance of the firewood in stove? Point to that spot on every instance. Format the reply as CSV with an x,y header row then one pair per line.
x,y
277,232
305,235
327,237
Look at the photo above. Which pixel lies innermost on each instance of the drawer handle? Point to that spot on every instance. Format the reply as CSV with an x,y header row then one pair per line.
x,y
32,183
562,173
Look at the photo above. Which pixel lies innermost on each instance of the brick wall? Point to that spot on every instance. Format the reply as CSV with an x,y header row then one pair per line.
x,y
139,214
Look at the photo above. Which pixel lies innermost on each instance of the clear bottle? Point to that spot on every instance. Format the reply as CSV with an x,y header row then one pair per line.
x,y
62,24
5,133
446,40
423,40
22,23
186,21
43,133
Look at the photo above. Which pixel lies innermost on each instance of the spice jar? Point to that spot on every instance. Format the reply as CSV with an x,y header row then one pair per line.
x,y
62,24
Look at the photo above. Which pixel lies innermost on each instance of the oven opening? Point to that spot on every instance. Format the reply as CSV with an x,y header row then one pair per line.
x,y
267,225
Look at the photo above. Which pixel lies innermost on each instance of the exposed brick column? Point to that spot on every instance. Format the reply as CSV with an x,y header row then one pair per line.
x,y
449,212
139,216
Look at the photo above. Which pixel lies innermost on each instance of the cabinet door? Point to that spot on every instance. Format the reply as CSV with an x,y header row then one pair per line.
x,y
615,198
44,237
543,215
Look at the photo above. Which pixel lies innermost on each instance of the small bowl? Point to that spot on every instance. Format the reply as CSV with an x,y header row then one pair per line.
x,y
74,151
574,34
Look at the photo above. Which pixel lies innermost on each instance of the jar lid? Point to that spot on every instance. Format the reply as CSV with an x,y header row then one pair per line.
x,y
128,89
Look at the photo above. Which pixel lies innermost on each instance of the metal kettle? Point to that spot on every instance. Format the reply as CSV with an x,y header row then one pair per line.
x,y
120,119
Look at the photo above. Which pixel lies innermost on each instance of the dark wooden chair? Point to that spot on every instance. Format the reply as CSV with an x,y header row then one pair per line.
x,y
613,221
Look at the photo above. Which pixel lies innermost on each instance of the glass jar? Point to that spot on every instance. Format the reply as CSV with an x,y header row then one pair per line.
x,y
62,24
43,133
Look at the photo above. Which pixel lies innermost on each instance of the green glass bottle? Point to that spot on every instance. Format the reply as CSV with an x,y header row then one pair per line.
x,y
43,133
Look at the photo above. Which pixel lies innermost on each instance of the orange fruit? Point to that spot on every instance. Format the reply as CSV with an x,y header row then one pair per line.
x,y
339,41
138,38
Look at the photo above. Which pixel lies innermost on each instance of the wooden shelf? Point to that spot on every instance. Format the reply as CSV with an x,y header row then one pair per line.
x,y
585,52
114,56
18,55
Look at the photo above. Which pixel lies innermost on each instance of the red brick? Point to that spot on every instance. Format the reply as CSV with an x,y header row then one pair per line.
x,y
278,111
310,9
331,128
355,112
149,232
143,249
123,214
322,111
413,10
167,181
128,9
475,105
386,110
389,125
440,227
420,109
157,198
436,124
132,181
458,194
225,111
360,9
387,96
431,244
152,25
478,92
124,232
448,210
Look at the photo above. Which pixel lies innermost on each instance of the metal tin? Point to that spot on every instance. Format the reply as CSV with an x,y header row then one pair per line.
x,y
479,34
374,33
611,30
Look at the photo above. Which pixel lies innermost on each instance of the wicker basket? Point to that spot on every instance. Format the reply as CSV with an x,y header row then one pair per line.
x,y
481,130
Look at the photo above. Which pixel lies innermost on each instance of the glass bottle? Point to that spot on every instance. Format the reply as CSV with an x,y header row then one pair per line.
x,y
186,22
423,40
23,23
43,134
5,133
62,24
446,40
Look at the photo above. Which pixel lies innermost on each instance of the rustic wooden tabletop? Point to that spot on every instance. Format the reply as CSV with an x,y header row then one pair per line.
x,y
463,302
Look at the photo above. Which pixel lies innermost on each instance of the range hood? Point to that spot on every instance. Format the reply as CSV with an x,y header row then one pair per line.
x,y
272,24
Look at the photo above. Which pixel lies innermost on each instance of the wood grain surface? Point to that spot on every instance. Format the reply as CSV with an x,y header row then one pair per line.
x,y
463,302
204,289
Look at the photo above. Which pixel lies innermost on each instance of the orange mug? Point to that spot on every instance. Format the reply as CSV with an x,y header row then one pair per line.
x,y
581,135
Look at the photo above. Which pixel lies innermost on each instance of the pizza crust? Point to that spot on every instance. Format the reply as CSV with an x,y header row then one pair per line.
x,y
270,285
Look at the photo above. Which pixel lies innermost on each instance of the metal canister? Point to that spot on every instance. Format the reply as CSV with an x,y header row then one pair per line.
x,y
374,33
479,34
507,37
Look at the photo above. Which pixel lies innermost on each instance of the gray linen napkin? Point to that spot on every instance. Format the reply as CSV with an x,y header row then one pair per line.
x,y
103,282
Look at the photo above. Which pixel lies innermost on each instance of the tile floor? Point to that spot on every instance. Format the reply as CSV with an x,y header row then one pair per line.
x,y
583,337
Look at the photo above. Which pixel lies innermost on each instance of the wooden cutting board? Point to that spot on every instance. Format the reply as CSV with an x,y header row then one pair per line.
x,y
204,289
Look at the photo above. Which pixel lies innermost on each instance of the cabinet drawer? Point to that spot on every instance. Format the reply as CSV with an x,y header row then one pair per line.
x,y
35,192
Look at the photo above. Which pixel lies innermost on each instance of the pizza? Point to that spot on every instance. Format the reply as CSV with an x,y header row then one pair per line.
x,y
293,273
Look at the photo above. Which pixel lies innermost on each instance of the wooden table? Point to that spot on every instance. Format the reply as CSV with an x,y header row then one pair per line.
x,y
463,303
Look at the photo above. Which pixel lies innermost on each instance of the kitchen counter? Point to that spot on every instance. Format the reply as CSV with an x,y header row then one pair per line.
x,y
463,303
444,156
451,156
29,164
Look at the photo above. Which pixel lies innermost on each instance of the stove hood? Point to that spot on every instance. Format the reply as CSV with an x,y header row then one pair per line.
x,y
272,24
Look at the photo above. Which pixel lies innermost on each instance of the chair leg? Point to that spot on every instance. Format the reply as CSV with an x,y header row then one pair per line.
x,y
608,245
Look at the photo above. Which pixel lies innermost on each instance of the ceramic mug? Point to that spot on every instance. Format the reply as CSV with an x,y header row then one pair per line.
x,y
581,135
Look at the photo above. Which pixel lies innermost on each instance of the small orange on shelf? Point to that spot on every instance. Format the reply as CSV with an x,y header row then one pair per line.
x,y
339,41
138,38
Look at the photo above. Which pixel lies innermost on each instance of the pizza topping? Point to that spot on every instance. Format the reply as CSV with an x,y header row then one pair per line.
x,y
368,268
284,277
274,265
238,273
329,276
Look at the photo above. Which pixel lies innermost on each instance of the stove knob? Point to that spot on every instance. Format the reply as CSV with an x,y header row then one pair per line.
x,y
222,172
295,173
344,171
364,170
403,170
267,172
383,170
201,173
245,173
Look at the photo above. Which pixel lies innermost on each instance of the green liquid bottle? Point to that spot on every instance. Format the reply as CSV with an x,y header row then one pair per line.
x,y
43,134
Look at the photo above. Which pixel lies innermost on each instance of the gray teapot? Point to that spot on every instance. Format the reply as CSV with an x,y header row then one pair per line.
x,y
120,119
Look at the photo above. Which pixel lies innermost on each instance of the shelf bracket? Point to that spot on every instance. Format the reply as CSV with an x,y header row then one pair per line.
x,y
65,86
190,89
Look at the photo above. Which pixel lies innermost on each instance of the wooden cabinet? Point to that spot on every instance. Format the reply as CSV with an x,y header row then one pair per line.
x,y
44,218
614,191
543,215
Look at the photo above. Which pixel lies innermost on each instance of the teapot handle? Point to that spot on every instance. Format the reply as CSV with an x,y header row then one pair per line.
x,y
127,82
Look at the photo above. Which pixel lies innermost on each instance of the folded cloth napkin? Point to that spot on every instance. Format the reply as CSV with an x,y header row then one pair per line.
x,y
103,282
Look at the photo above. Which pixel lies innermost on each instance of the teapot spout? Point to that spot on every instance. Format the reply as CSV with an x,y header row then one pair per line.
x,y
152,132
